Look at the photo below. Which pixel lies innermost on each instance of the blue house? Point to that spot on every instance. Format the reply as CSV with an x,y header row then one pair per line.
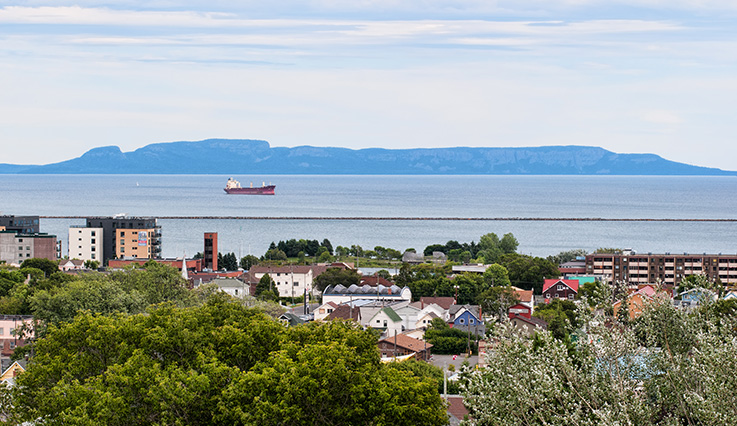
x,y
466,317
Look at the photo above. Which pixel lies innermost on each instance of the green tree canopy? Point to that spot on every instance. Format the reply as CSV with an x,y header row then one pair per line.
x,y
46,265
218,364
335,276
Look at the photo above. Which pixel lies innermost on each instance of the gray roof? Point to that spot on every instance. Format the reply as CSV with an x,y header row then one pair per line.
x,y
366,289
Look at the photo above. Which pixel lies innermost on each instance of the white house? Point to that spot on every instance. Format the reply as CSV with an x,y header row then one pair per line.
x,y
408,313
233,286
85,243
324,310
388,321
290,281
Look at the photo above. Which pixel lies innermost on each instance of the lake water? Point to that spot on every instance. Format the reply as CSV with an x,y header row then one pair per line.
x,y
613,197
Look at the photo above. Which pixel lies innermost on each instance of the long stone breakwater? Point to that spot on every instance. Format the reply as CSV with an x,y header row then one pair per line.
x,y
369,218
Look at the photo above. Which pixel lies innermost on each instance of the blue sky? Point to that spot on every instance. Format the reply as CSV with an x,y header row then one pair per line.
x,y
630,76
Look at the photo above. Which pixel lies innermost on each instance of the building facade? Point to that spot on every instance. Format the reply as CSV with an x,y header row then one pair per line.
x,y
17,247
85,243
130,228
210,253
560,289
21,224
11,333
667,268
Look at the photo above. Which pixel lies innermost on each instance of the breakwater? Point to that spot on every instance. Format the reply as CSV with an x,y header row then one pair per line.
x,y
394,218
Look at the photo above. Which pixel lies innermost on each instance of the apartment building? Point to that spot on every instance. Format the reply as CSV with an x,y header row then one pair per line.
x,y
667,268
127,236
22,224
85,243
17,247
210,254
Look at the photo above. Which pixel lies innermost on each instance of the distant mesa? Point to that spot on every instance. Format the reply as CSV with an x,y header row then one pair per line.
x,y
236,156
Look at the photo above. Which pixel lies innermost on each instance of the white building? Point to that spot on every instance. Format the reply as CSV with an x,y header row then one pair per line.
x,y
85,243
341,294
233,286
290,281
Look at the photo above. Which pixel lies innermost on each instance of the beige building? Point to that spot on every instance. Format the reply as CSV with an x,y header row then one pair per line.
x,y
85,243
134,243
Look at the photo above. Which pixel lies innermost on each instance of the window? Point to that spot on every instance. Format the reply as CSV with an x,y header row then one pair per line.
x,y
460,321
93,255
296,283
561,287
547,295
470,320
557,295
20,247
12,344
93,241
2,331
92,249
384,323
122,233
570,297
80,239
92,233
122,249
20,240
378,321
122,242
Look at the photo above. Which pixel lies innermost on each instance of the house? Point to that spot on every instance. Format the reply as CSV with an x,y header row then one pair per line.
x,y
290,319
324,310
457,410
466,318
560,289
443,302
520,309
388,321
525,296
345,312
9,372
730,295
233,286
402,344
428,313
696,296
409,314
10,332
71,265
635,304
528,325
292,280
341,294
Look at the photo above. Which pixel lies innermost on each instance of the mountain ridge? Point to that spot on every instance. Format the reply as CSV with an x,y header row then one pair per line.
x,y
247,156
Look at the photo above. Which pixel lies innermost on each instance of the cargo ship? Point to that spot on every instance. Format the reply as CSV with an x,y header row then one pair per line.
x,y
234,187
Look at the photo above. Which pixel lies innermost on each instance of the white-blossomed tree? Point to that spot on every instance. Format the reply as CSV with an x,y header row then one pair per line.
x,y
668,367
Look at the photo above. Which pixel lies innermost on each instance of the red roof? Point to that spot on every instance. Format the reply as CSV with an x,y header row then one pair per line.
x,y
573,284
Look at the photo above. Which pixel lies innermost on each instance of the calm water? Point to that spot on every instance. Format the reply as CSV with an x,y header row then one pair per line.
x,y
396,196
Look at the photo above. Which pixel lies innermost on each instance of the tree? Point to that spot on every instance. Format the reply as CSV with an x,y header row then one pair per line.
x,y
508,244
265,289
155,282
326,243
219,364
46,265
496,275
567,256
275,254
91,264
446,340
247,262
325,257
228,261
89,293
528,272
335,276
497,300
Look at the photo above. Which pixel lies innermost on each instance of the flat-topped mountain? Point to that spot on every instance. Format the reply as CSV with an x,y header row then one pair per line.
x,y
230,156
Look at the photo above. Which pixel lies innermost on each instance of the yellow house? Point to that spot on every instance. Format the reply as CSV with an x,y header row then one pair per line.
x,y
12,371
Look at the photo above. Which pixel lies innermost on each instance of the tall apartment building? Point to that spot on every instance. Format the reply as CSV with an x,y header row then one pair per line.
x,y
24,224
667,268
85,243
210,254
128,236
16,247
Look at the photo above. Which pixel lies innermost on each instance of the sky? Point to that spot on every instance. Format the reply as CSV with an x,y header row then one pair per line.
x,y
631,76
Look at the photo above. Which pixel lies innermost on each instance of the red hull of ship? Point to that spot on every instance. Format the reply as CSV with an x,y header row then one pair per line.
x,y
261,190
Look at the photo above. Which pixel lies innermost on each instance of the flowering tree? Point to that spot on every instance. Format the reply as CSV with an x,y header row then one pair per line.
x,y
666,368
